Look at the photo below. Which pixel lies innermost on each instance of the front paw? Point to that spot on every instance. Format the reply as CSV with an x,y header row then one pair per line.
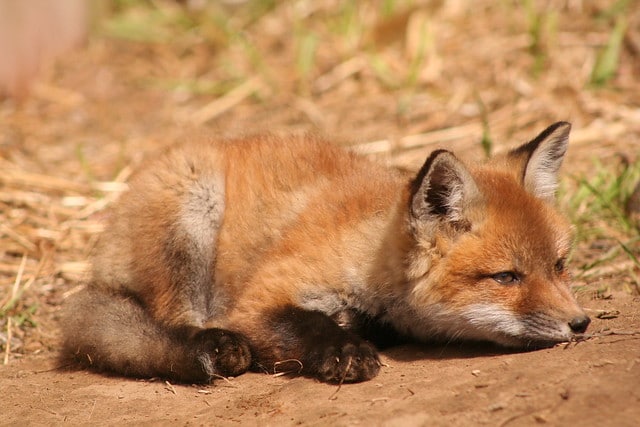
x,y
222,352
350,362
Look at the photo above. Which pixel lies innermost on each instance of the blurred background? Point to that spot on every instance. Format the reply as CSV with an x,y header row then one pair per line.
x,y
87,89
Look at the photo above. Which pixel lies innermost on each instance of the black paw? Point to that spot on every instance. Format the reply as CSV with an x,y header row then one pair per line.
x,y
349,362
324,349
223,353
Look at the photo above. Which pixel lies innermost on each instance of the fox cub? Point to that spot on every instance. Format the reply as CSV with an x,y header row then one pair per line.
x,y
290,254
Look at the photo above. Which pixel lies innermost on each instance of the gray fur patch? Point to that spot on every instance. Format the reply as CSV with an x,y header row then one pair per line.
x,y
202,212
325,302
200,219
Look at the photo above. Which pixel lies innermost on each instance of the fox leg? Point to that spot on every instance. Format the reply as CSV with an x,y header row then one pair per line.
x,y
152,292
115,333
310,342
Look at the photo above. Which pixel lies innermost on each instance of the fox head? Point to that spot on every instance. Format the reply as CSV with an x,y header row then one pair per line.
x,y
490,247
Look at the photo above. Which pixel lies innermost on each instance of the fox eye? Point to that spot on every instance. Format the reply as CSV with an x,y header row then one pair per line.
x,y
506,278
559,266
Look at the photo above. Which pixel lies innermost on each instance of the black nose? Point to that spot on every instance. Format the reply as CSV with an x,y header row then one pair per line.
x,y
579,324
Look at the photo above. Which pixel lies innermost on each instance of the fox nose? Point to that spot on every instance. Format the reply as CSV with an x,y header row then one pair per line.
x,y
579,324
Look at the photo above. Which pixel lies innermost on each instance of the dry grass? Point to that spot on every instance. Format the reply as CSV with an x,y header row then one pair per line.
x,y
394,79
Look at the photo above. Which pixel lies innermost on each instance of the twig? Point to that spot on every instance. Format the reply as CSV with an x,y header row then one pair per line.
x,y
550,408
7,348
230,100
597,132
311,111
412,393
608,333
609,269
22,241
16,283
92,409
577,339
44,407
584,337
420,140
221,377
339,73
16,292
55,368
63,96
524,414
279,374
44,182
170,387
346,371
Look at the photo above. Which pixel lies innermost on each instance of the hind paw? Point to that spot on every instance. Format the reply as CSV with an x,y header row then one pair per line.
x,y
223,353
351,362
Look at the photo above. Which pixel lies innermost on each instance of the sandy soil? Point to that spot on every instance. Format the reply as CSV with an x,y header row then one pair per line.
x,y
590,383
66,149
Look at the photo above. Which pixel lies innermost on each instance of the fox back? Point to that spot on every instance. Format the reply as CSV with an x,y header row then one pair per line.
x,y
292,254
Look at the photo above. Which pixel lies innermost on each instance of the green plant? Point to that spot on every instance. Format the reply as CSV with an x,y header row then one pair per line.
x,y
486,142
606,64
603,196
541,27
306,49
597,208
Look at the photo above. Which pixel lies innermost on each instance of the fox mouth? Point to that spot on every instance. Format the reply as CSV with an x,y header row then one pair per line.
x,y
539,342
527,332
540,339
532,342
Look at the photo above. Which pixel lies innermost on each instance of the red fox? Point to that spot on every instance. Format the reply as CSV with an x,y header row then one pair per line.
x,y
275,254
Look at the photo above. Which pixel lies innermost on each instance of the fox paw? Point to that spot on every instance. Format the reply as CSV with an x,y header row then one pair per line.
x,y
223,353
350,362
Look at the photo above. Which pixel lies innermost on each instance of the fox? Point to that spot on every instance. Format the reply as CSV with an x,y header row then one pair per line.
x,y
288,254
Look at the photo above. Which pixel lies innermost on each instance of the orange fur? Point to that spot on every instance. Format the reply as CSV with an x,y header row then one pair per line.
x,y
270,238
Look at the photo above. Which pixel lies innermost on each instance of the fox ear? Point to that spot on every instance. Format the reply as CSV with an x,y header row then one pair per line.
x,y
443,189
542,158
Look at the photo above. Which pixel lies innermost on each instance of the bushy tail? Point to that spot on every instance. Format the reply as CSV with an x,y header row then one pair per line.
x,y
112,332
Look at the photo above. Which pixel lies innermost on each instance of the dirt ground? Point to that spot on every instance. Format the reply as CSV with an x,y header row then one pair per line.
x,y
593,383
67,148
